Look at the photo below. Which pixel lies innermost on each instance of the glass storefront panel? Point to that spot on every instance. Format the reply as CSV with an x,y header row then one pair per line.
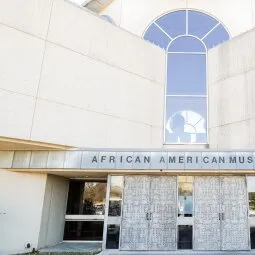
x,y
252,204
184,237
185,196
115,200
113,236
84,230
86,198
252,236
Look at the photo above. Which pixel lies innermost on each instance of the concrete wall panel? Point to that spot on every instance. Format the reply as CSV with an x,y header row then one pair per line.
x,y
90,35
21,197
20,61
54,209
231,93
90,76
31,16
85,128
16,114
97,87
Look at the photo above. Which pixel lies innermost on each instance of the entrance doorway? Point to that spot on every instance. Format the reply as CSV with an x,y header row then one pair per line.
x,y
149,214
85,210
220,213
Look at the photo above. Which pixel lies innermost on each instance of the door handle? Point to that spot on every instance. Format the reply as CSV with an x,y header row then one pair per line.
x,y
147,216
219,216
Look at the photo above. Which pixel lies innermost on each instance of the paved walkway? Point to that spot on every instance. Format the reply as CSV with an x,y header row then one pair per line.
x,y
180,253
92,247
73,247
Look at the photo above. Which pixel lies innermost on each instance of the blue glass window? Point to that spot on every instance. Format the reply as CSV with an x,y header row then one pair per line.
x,y
186,119
200,24
173,24
186,44
217,36
155,35
186,36
186,74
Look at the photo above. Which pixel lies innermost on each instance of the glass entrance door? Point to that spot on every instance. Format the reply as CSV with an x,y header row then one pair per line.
x,y
220,213
85,211
149,213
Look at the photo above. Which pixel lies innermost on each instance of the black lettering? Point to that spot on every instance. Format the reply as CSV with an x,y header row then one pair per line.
x,y
162,160
147,159
189,160
205,160
129,159
241,160
94,159
172,159
103,158
181,159
112,159
250,160
137,160
214,160
221,160
232,160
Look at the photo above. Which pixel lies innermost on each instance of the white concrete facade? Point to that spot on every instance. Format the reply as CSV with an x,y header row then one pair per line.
x,y
21,201
68,74
69,78
231,93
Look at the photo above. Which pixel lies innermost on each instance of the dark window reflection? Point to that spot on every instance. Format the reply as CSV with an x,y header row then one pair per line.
x,y
252,204
113,235
252,233
184,237
185,201
84,230
115,196
87,198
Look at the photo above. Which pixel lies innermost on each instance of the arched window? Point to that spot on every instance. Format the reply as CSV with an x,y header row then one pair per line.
x,y
186,35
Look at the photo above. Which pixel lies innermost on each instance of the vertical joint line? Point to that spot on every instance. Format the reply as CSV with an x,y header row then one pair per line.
x,y
40,76
187,22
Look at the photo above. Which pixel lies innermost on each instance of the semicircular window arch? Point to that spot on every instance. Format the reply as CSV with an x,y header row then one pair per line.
x,y
186,35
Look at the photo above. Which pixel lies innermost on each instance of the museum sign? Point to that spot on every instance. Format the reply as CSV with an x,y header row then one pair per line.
x,y
129,159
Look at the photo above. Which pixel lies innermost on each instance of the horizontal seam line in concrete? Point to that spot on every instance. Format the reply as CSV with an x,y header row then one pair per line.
x,y
77,107
232,76
136,36
101,61
101,113
80,53
17,92
227,124
25,32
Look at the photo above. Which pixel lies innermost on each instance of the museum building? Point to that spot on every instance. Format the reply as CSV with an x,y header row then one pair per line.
x,y
130,123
